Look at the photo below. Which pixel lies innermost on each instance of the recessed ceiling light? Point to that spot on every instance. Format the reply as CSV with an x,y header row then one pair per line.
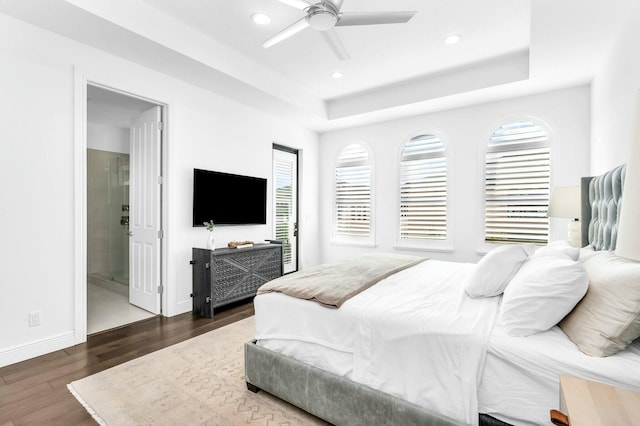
x,y
260,19
337,74
452,39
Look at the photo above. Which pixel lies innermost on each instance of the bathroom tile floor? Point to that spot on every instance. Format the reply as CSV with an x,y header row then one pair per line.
x,y
107,310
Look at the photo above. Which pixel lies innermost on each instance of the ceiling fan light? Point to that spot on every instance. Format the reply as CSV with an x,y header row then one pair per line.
x,y
260,19
452,39
322,20
337,74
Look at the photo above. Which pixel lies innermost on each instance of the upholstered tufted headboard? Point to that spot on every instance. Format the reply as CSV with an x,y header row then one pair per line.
x,y
601,201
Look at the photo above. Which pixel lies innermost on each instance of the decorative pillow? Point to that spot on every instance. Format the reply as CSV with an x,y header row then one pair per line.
x,y
562,246
494,271
543,291
607,320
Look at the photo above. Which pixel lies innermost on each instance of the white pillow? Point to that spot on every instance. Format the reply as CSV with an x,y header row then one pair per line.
x,y
493,272
542,293
587,252
562,246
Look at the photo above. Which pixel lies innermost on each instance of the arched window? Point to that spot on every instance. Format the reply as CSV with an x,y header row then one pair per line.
x,y
353,192
517,184
423,189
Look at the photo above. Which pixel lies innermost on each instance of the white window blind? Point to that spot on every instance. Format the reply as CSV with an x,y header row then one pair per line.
x,y
423,189
353,192
517,184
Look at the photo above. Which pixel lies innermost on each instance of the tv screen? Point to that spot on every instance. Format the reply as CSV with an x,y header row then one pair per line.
x,y
228,199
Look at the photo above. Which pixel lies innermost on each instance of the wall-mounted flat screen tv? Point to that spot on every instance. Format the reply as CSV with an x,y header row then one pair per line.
x,y
228,199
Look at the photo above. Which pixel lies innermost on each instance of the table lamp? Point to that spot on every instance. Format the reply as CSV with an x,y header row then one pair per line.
x,y
565,203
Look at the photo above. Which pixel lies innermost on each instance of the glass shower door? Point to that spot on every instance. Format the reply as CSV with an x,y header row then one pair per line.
x,y
118,203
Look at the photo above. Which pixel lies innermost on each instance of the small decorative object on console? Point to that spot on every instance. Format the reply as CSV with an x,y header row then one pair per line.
x,y
240,244
211,242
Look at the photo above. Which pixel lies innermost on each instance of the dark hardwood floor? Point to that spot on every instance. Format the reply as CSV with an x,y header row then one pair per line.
x,y
34,392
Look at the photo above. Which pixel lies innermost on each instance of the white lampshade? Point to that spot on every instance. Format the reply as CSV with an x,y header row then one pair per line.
x,y
565,202
628,243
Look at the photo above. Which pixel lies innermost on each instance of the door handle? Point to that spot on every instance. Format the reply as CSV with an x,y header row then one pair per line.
x,y
130,233
295,229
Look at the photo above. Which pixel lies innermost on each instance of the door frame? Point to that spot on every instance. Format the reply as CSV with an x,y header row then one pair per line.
x,y
81,82
284,148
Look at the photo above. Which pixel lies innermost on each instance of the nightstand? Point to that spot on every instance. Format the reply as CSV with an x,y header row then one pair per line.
x,y
588,403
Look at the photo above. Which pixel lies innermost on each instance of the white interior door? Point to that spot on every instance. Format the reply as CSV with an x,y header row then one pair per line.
x,y
144,211
285,205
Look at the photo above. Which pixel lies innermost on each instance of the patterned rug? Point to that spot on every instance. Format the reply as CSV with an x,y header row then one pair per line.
x,y
197,382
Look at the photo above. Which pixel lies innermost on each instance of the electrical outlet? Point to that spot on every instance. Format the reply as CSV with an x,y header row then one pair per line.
x,y
34,318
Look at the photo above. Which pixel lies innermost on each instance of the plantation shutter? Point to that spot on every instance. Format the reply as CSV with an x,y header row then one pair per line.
x,y
353,192
423,189
517,184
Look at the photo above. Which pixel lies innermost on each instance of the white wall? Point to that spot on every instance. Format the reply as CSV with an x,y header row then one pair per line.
x,y
466,132
107,138
614,91
37,215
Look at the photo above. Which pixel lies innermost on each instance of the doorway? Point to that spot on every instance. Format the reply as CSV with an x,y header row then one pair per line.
x,y
285,204
123,208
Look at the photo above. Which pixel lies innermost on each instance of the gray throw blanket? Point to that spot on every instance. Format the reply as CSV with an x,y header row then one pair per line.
x,y
332,284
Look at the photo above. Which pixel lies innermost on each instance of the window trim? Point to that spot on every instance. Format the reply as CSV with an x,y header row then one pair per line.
x,y
353,240
294,151
444,245
484,247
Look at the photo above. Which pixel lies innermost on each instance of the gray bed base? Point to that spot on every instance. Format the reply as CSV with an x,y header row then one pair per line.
x,y
332,398
343,402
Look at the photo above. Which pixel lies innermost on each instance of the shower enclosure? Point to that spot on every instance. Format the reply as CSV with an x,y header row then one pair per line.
x,y
108,219
119,218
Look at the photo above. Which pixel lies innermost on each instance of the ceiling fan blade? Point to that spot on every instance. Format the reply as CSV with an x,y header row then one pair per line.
x,y
334,42
292,29
298,4
373,18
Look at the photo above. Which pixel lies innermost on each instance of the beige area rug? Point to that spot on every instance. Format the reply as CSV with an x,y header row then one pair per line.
x,y
197,382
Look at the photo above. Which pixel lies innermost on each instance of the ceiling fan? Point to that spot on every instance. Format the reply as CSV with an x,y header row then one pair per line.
x,y
325,15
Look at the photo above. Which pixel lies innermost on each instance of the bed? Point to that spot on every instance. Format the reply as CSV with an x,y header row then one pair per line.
x,y
411,350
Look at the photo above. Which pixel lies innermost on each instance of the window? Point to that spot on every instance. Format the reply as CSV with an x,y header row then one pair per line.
x,y
353,192
423,189
517,184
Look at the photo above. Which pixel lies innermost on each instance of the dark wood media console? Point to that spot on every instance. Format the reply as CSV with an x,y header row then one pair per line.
x,y
227,275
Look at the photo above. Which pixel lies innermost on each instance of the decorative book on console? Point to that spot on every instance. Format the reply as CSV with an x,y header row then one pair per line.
x,y
240,244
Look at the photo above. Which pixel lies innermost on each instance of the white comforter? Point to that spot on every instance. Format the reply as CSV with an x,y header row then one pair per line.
x,y
415,335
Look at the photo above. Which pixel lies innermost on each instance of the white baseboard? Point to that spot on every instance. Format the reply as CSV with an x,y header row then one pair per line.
x,y
183,307
36,348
